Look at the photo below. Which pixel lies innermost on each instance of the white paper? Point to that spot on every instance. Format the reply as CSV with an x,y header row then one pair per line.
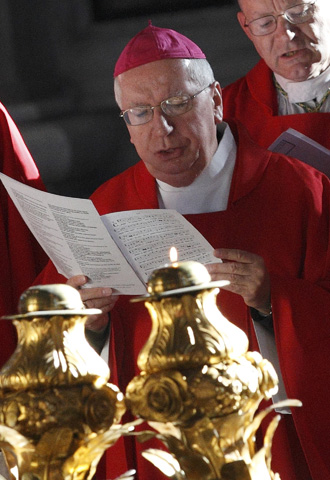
x,y
267,346
118,250
146,237
295,144
73,235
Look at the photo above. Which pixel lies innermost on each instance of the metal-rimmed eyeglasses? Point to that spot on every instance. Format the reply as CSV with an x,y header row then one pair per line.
x,y
171,107
300,13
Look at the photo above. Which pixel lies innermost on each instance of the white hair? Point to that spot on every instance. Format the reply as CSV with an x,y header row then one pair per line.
x,y
200,71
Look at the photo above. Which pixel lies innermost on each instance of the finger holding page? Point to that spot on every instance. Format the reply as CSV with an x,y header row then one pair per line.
x,y
102,298
247,274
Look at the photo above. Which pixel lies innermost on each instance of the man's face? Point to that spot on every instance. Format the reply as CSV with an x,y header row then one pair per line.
x,y
176,149
296,52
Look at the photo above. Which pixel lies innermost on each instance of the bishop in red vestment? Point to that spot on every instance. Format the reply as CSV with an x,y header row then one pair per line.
x,y
277,209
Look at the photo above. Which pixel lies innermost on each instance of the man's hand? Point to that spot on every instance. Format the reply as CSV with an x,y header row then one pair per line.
x,y
247,274
98,297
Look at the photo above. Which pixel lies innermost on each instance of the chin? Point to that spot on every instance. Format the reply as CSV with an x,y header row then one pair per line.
x,y
298,74
299,78
304,71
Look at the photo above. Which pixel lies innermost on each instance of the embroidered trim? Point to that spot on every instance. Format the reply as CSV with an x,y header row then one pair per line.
x,y
307,108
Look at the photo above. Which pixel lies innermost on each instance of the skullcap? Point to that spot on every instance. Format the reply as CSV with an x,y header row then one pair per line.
x,y
154,43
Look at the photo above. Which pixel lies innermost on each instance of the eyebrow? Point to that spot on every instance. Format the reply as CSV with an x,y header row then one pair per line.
x,y
256,15
177,94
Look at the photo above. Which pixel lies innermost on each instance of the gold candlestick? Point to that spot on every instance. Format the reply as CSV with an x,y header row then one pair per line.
x,y
58,413
199,385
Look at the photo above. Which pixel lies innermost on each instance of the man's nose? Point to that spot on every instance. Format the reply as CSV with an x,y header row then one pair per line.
x,y
284,27
162,123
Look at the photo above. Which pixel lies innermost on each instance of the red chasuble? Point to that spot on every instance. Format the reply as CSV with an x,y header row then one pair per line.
x,y
279,209
253,101
21,256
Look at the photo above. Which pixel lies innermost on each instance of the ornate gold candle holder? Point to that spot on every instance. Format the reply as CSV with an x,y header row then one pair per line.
x,y
199,385
57,412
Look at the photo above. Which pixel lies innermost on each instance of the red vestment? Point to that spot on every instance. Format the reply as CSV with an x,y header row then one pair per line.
x,y
21,257
278,208
252,100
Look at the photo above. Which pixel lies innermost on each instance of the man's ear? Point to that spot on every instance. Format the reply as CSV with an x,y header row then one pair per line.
x,y
217,100
241,19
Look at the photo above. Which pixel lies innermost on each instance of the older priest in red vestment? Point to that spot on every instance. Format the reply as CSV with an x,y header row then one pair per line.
x,y
266,215
290,86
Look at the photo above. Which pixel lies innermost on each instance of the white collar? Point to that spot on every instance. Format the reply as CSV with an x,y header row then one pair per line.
x,y
210,173
210,191
307,90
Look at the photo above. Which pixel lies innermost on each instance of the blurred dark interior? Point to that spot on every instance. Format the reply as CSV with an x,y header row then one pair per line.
x,y
110,9
57,59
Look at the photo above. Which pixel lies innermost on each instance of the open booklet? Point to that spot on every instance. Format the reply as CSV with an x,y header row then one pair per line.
x,y
297,145
119,250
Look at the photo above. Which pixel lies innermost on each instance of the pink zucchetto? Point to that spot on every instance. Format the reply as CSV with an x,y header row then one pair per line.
x,y
154,43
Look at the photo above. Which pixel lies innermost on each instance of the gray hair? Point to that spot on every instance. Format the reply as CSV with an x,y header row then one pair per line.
x,y
200,71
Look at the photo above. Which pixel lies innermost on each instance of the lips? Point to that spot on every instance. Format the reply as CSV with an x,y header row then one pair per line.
x,y
169,150
170,153
294,53
290,54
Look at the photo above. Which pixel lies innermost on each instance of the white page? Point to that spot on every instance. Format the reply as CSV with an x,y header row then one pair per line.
x,y
267,346
74,237
148,235
297,145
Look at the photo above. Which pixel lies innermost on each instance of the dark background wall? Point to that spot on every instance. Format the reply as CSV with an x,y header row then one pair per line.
x,y
57,59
